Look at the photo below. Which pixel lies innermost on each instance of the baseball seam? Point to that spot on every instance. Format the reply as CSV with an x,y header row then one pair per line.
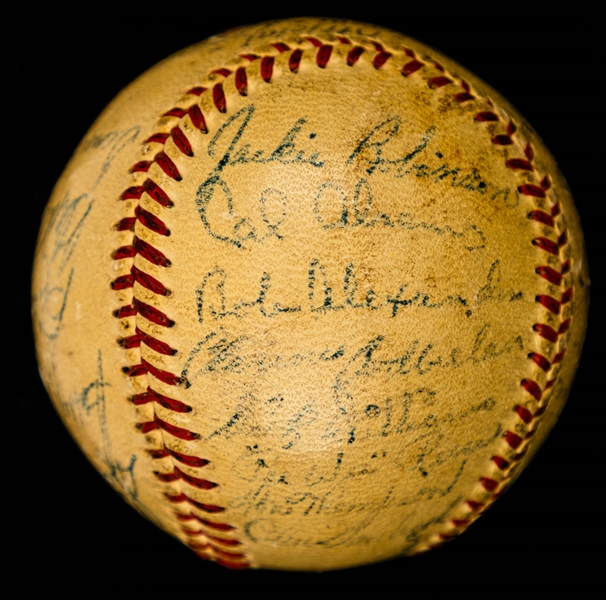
x,y
221,548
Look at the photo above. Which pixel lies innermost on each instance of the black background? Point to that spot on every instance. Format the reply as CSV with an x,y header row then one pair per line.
x,y
70,534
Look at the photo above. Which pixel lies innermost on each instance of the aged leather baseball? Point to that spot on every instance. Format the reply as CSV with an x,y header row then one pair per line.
x,y
310,295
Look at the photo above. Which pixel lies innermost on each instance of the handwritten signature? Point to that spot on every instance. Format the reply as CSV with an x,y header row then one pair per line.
x,y
59,237
90,403
114,142
325,294
373,152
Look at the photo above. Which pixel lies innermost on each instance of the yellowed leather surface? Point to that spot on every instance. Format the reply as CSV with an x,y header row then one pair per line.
x,y
365,346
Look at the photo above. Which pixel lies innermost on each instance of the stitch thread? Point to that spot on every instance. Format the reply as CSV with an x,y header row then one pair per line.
x,y
553,305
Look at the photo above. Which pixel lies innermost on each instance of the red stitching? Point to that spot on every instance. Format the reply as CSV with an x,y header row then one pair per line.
x,y
151,313
195,546
142,166
549,333
281,47
513,439
219,97
550,303
267,68
151,222
486,116
192,532
295,60
133,193
142,278
175,112
216,526
460,522
500,462
519,163
179,432
186,459
547,245
529,152
167,165
181,142
135,370
178,474
532,190
411,67
156,345
123,282
542,217
155,192
315,41
149,282
134,341
165,401
241,81
533,388
438,82
540,360
184,498
197,118
212,524
124,252
157,137
147,251
164,376
323,55
524,414
232,565
489,484
155,256
353,55
224,541
464,97
196,91
125,312
126,224
229,555
380,59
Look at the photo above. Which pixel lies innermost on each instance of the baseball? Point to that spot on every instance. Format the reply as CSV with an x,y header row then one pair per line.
x,y
310,295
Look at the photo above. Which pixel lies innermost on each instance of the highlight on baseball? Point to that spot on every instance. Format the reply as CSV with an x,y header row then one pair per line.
x,y
310,295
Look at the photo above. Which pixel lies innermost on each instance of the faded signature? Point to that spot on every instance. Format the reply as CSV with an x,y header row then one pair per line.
x,y
90,403
59,238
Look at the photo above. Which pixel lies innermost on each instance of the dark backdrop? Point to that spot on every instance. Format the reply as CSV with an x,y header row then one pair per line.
x,y
69,532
